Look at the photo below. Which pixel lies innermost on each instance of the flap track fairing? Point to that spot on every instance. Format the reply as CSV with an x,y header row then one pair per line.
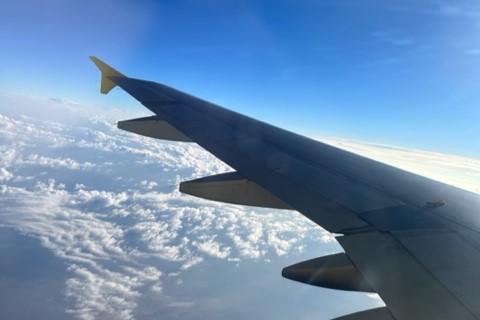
x,y
334,271
232,187
153,127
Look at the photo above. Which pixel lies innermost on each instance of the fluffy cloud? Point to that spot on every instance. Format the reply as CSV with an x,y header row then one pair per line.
x,y
5,174
35,159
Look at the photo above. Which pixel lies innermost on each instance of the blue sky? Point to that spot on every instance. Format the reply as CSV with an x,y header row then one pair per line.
x,y
403,73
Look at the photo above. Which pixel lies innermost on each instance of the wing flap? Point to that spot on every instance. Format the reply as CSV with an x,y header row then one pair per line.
x,y
450,258
407,287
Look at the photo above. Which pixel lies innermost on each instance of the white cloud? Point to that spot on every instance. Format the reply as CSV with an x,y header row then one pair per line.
x,y
458,171
212,248
192,262
36,159
110,294
99,198
5,174
149,185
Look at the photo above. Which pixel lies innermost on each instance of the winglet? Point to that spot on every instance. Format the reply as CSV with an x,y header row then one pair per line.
x,y
107,84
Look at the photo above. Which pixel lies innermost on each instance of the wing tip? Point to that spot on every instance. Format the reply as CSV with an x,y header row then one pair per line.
x,y
107,84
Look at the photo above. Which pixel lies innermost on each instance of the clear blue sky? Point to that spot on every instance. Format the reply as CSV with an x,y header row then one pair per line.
x,y
398,72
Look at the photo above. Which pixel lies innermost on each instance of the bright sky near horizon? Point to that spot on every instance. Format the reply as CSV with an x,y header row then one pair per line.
x,y
403,73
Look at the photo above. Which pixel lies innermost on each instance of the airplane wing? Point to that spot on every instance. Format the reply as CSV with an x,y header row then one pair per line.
x,y
412,240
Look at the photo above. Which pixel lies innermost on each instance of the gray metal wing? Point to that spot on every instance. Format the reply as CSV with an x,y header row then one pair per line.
x,y
413,240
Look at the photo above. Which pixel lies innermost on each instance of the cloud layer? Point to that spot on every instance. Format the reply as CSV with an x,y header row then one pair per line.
x,y
106,202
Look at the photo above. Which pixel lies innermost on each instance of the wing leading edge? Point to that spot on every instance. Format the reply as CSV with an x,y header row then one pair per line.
x,y
388,219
